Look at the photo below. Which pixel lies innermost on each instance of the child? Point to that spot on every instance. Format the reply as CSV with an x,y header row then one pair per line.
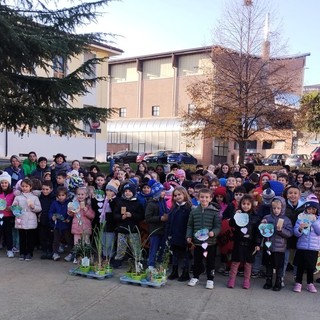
x,y
308,234
247,241
60,222
176,233
195,200
46,234
27,222
156,216
98,196
128,212
220,197
7,196
81,227
273,257
106,216
205,216
59,180
307,187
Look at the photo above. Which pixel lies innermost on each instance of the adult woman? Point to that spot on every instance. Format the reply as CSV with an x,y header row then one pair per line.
x,y
29,164
15,170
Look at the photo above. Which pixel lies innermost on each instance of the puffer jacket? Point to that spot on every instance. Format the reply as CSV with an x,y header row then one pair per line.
x,y
28,219
82,221
154,210
310,241
201,218
279,238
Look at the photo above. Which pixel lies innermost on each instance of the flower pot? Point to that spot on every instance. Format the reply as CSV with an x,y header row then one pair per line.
x,y
108,269
84,269
128,274
136,276
92,268
100,272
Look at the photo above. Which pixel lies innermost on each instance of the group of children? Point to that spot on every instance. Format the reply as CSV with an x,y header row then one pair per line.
x,y
252,220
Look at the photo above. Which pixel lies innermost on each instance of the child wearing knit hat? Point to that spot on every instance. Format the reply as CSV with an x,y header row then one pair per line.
x,y
156,215
7,219
307,230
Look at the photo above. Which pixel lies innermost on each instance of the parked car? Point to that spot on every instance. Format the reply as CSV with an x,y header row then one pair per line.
x,y
298,160
124,156
181,157
159,156
275,159
315,157
253,157
141,156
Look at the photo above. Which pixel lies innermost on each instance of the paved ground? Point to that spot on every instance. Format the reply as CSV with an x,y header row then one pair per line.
x,y
45,290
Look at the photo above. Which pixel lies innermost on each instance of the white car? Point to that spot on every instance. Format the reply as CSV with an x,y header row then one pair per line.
x,y
298,160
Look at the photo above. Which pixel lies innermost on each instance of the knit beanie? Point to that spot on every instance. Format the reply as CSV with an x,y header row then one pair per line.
x,y
130,186
5,177
223,182
156,188
168,188
220,191
312,202
267,195
276,186
173,180
112,187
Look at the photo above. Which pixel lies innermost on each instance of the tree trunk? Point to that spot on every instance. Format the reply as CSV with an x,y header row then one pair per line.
x,y
242,150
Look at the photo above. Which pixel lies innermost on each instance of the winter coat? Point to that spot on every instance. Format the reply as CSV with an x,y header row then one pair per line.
x,y
16,175
244,243
28,167
279,238
9,199
46,202
154,210
176,227
28,219
39,172
135,208
292,213
201,218
61,208
82,221
107,216
310,241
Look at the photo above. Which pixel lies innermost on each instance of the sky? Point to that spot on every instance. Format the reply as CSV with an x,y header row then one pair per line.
x,y
155,26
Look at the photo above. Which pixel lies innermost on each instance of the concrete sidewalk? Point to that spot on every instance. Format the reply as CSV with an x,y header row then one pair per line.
x,y
42,289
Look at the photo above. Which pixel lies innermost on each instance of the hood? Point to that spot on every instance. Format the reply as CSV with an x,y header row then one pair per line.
x,y
283,205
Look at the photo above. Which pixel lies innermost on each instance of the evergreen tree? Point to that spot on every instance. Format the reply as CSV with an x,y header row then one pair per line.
x,y
37,37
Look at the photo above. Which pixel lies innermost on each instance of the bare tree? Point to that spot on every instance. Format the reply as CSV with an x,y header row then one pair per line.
x,y
248,89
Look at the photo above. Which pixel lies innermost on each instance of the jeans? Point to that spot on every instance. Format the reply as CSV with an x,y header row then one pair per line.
x,y
157,244
108,244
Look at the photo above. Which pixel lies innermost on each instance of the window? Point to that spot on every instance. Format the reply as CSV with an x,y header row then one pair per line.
x,y
155,111
93,73
122,112
59,67
191,108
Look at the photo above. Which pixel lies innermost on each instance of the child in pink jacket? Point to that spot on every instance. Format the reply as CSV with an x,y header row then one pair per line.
x,y
82,220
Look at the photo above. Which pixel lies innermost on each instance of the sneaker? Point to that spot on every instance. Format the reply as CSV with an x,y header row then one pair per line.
x,y
297,287
75,261
22,258
282,283
226,273
28,257
254,275
69,257
193,282
61,249
15,250
55,257
221,269
151,268
241,273
311,288
10,254
210,284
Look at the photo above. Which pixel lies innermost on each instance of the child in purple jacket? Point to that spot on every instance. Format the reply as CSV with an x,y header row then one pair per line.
x,y
307,230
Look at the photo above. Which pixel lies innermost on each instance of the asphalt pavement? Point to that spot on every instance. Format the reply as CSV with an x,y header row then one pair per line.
x,y
43,289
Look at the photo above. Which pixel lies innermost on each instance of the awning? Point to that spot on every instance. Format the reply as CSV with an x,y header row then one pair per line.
x,y
138,125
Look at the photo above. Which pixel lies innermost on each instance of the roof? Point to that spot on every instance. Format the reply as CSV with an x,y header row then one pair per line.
x,y
205,49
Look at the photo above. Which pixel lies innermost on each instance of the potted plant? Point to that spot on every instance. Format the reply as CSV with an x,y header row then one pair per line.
x,y
97,238
82,252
